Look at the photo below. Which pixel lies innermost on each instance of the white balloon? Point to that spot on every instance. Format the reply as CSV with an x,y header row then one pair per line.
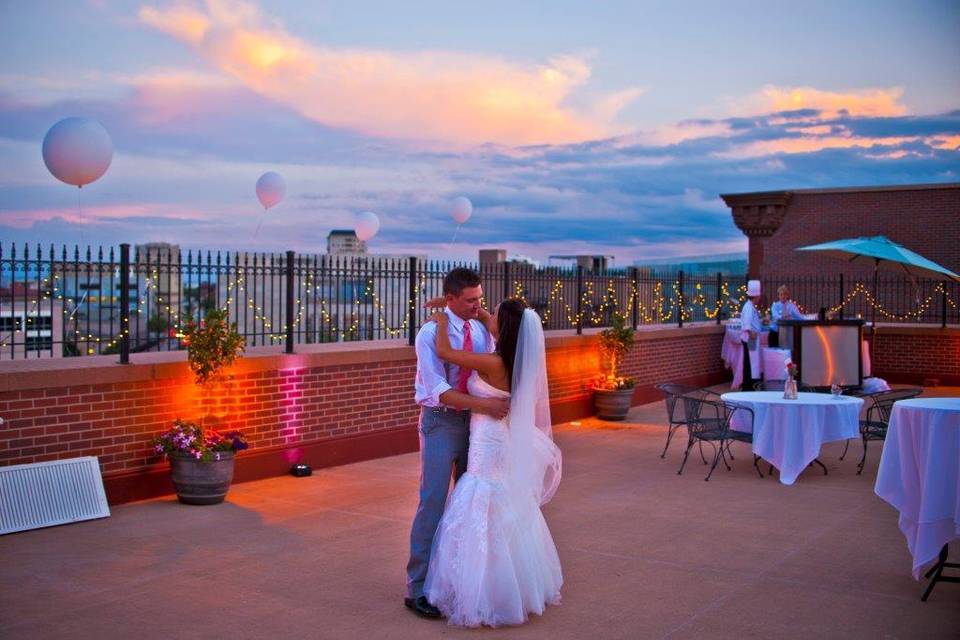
x,y
270,189
462,209
77,150
366,225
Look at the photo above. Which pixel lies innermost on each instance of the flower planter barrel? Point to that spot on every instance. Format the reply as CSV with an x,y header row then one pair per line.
x,y
612,404
199,482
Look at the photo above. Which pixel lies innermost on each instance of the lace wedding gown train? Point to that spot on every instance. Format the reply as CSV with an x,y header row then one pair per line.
x,y
493,560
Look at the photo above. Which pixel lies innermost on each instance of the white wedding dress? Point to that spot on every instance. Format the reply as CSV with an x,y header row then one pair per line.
x,y
493,561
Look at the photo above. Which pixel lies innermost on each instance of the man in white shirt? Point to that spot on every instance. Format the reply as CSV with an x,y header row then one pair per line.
x,y
445,406
750,328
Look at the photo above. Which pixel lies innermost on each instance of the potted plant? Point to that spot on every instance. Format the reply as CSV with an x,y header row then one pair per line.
x,y
613,393
212,345
201,461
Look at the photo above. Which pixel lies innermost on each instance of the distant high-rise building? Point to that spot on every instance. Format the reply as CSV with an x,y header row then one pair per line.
x,y
158,267
345,241
589,263
492,256
726,263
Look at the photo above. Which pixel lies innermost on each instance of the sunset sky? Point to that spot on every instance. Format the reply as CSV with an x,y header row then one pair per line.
x,y
574,127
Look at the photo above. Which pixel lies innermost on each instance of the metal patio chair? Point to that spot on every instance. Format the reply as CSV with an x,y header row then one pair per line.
x,y
878,417
709,421
676,411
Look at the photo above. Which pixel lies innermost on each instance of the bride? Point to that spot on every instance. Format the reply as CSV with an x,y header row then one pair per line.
x,y
493,560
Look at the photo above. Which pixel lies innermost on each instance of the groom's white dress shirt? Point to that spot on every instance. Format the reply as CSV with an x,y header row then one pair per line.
x,y
434,376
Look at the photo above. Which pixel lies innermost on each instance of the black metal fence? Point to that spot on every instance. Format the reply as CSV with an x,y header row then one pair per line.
x,y
70,302
893,299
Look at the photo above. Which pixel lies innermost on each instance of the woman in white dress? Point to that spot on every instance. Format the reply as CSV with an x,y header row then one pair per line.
x,y
493,560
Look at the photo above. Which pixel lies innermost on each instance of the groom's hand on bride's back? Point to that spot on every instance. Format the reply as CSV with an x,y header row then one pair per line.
x,y
494,407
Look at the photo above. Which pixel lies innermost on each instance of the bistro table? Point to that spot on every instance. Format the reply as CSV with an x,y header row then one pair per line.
x,y
789,433
920,477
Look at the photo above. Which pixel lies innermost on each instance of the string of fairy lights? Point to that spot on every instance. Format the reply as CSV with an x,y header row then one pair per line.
x,y
653,303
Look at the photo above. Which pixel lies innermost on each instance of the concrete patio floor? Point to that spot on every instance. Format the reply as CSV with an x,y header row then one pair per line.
x,y
646,554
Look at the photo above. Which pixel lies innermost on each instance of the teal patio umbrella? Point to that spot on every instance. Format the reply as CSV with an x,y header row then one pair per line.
x,y
880,251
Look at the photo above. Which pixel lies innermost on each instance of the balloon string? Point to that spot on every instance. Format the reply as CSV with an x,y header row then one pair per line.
x,y
76,305
80,212
262,215
455,233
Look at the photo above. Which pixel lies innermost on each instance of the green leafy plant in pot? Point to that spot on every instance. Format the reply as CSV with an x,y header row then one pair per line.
x,y
202,458
613,393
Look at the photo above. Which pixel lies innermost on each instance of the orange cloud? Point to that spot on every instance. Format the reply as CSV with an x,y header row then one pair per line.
x,y
182,22
431,95
863,102
687,130
950,143
165,95
816,136
810,145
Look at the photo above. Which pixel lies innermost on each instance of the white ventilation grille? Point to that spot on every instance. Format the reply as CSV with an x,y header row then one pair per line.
x,y
44,494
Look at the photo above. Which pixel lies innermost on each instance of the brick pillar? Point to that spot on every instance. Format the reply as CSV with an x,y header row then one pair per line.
x,y
759,216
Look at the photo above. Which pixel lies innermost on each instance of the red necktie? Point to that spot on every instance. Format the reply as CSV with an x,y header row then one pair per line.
x,y
467,346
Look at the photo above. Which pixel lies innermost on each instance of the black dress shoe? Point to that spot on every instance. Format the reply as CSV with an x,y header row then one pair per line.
x,y
422,607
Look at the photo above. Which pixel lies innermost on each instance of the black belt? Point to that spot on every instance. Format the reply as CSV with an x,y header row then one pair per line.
x,y
447,410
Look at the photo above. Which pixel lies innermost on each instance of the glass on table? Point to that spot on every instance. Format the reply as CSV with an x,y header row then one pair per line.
x,y
836,390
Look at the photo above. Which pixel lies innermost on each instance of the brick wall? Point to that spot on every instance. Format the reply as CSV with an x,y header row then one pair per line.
x,y
660,354
912,355
925,220
335,404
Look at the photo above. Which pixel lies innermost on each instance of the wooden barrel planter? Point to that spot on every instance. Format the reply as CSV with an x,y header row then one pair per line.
x,y
199,482
613,404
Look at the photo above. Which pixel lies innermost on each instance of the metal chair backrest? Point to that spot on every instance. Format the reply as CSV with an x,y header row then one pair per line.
x,y
671,392
735,407
702,414
883,403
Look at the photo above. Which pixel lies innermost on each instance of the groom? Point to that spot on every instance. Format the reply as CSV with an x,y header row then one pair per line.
x,y
445,406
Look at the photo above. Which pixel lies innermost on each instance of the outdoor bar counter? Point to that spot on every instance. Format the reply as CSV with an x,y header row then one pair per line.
x,y
825,351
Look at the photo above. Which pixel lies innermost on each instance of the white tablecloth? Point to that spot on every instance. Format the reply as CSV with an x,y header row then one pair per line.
x,y
920,474
732,353
774,363
789,433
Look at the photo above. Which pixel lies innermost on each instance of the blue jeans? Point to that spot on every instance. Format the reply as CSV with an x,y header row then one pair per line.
x,y
444,438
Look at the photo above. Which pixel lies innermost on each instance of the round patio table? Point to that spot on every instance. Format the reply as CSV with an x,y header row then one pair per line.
x,y
789,433
920,477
